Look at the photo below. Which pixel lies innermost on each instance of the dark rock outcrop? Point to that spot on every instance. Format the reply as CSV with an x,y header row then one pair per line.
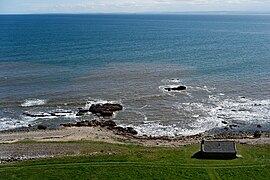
x,y
105,109
178,88
81,112
42,127
93,123
106,113
82,123
131,130
59,113
257,134
111,125
127,130
108,123
36,115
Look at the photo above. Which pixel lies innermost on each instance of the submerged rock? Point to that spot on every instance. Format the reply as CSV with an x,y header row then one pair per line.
x,y
224,122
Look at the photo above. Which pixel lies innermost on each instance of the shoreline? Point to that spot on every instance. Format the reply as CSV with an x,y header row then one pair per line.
x,y
103,134
70,141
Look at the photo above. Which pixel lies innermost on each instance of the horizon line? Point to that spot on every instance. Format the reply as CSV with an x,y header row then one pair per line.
x,y
150,13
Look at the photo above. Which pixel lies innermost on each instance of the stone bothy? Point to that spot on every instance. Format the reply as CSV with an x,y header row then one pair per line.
x,y
218,149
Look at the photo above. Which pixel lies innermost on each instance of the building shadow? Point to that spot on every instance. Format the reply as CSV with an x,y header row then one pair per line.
x,y
213,156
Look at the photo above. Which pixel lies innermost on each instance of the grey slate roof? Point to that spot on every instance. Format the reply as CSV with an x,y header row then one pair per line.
x,y
218,147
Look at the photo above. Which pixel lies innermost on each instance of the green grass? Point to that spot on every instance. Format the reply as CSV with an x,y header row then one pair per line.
x,y
111,161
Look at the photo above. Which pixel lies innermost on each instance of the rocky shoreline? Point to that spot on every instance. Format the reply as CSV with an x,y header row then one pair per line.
x,y
102,129
130,133
101,132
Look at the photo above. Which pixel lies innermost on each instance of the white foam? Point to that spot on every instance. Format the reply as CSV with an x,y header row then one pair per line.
x,y
244,109
142,114
64,113
51,115
157,129
11,123
33,102
39,116
241,110
204,88
208,115
144,107
173,80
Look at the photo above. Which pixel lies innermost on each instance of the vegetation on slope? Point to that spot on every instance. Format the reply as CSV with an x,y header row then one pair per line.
x,y
112,161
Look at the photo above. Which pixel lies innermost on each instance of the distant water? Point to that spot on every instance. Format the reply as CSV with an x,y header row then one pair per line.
x,y
58,63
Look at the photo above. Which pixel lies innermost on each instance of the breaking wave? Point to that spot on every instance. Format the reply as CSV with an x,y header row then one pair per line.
x,y
7,123
217,112
33,102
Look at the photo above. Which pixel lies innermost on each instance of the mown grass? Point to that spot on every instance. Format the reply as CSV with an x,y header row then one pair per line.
x,y
112,161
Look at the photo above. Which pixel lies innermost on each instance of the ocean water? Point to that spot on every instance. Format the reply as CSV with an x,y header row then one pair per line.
x,y
58,63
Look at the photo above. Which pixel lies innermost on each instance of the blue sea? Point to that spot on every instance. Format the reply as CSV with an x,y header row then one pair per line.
x,y
59,63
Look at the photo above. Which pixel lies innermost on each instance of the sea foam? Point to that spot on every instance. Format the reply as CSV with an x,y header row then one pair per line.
x,y
11,123
218,112
33,102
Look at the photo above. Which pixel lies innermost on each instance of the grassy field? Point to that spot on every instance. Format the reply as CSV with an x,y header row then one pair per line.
x,y
112,161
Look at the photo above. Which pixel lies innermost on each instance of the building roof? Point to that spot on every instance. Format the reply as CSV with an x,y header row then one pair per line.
x,y
218,147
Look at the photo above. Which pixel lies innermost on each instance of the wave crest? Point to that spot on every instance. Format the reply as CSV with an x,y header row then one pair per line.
x,y
33,102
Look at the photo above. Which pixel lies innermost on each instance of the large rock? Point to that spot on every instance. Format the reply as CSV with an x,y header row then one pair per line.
x,y
105,109
178,88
